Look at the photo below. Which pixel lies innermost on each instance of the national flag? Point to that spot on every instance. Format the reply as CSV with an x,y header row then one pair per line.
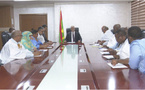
x,y
61,31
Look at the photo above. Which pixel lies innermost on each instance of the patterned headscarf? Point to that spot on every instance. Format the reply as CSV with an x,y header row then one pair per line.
x,y
26,40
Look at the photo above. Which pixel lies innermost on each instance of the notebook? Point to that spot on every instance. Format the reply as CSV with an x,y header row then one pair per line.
x,y
118,65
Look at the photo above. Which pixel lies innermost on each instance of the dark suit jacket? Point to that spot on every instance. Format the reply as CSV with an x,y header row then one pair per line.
x,y
77,37
46,40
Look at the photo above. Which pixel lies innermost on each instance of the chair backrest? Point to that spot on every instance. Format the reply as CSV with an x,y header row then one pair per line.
x,y
5,37
69,30
143,33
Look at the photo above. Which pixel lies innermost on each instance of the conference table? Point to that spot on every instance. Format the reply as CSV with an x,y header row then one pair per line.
x,y
68,66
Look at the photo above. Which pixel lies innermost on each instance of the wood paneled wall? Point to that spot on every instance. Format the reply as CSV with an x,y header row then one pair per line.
x,y
6,16
6,19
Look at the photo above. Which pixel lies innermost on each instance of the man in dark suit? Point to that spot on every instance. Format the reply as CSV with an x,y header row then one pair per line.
x,y
73,36
45,38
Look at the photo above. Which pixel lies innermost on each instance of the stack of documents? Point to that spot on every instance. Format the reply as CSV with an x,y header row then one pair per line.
x,y
97,45
108,56
118,65
44,50
50,47
103,49
104,53
42,53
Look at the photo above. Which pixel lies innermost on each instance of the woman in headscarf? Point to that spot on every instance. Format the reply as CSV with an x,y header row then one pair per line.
x,y
26,41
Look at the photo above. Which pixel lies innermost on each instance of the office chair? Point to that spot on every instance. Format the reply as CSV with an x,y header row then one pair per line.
x,y
69,30
1,63
5,37
143,33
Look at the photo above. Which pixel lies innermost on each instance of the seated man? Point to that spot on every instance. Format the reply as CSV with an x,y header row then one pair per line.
x,y
46,40
40,35
122,51
11,30
137,50
106,37
73,36
38,44
6,35
13,49
112,42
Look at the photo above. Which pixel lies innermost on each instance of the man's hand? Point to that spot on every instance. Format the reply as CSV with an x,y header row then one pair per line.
x,y
104,46
79,41
114,62
113,52
50,42
37,53
101,43
116,56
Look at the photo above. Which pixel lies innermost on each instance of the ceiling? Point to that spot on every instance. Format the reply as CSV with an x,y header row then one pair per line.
x,y
31,2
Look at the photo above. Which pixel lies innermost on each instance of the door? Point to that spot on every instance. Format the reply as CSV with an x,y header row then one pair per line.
x,y
29,21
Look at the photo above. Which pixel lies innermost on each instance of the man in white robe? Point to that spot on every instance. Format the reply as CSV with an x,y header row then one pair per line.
x,y
107,34
112,42
13,49
123,49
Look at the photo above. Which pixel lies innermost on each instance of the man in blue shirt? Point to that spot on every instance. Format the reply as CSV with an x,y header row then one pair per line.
x,y
38,44
137,50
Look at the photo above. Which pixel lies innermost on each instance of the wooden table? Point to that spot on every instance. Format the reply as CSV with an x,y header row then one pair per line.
x,y
21,74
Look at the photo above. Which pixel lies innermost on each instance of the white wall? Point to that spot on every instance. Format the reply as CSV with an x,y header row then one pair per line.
x,y
91,17
37,9
88,17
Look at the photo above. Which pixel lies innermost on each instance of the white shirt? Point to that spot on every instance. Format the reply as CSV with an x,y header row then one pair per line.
x,y
11,51
72,33
112,42
107,36
124,50
41,38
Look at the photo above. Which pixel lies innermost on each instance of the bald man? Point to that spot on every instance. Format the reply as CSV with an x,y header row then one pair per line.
x,y
13,49
73,36
106,36
112,42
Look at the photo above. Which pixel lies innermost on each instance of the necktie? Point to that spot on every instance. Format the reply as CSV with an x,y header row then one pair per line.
x,y
73,37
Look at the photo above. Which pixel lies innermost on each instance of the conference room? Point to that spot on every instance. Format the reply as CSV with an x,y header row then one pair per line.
x,y
66,44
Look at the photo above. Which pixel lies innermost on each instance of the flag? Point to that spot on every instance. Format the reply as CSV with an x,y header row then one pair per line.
x,y
61,31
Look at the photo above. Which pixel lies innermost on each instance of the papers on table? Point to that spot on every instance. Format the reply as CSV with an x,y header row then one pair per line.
x,y
118,65
53,44
108,56
70,42
42,53
104,52
50,47
97,45
44,50
103,49
38,55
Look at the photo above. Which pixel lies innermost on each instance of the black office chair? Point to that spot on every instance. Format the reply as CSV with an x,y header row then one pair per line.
x,y
143,33
5,37
69,30
1,63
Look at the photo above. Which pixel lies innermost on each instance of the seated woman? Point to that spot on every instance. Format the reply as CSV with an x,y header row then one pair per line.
x,y
38,44
27,42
